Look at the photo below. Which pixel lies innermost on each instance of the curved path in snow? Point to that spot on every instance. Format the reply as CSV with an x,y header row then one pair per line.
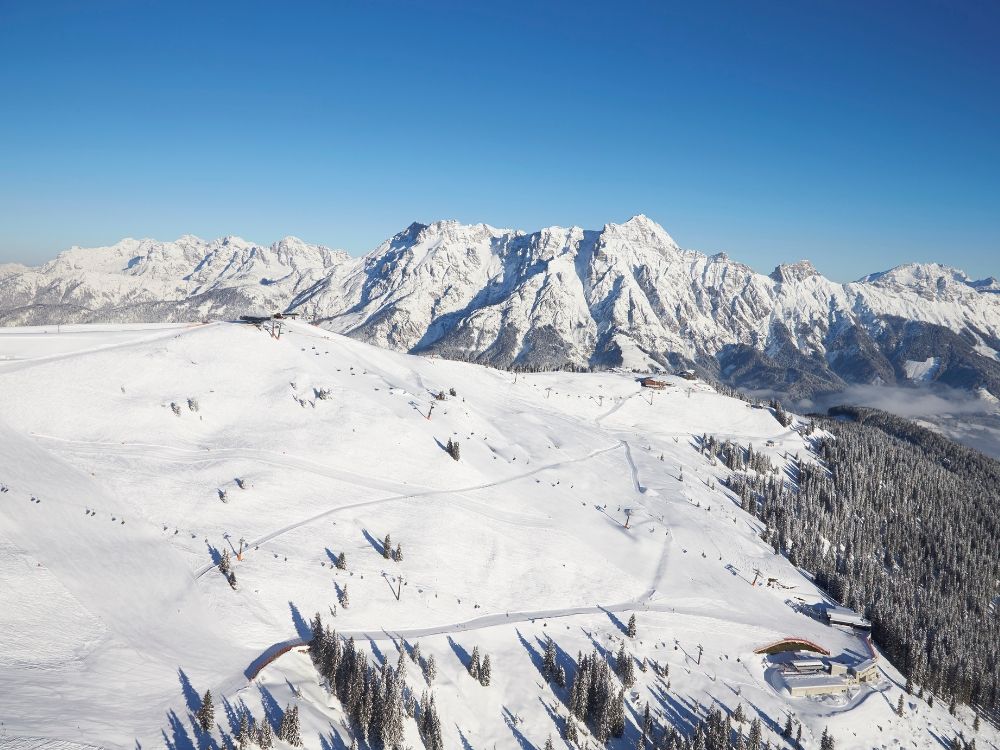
x,y
412,495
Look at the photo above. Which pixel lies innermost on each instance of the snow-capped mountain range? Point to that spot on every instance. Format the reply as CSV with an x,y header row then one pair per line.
x,y
625,295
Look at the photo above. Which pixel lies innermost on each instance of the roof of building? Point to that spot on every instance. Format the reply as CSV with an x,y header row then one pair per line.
x,y
863,666
815,681
791,643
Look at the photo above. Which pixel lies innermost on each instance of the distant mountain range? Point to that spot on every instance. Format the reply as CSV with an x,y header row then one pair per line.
x,y
625,295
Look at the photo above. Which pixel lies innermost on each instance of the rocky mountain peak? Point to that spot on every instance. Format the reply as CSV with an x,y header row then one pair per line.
x,y
791,272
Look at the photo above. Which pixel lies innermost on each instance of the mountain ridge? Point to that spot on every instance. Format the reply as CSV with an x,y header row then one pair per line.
x,y
626,295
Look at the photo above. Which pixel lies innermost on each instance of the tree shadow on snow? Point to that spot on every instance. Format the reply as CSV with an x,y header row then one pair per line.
x,y
461,653
563,660
331,741
767,721
615,621
191,697
234,712
333,557
301,627
511,722
536,656
214,554
466,745
272,711
179,739
376,651
676,713
375,543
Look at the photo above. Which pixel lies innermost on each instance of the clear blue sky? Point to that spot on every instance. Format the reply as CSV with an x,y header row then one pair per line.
x,y
860,135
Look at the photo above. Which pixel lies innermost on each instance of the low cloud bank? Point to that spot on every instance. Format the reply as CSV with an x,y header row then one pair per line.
x,y
906,402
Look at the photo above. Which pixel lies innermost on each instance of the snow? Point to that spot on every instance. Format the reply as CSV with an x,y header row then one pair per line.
x,y
922,371
550,297
113,628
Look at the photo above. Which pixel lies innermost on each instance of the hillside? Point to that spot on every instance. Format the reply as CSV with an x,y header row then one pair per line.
x,y
558,298
131,458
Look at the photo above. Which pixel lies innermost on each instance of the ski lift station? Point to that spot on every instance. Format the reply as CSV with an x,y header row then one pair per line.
x,y
845,616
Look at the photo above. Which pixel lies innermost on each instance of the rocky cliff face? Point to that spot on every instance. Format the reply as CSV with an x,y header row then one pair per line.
x,y
625,295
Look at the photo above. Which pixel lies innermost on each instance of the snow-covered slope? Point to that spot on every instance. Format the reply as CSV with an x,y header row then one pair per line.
x,y
626,295
119,454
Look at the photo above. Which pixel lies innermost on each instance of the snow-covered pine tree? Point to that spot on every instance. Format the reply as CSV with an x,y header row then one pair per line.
x,y
570,733
625,667
631,626
738,716
225,564
206,712
387,547
899,705
244,737
345,601
474,664
317,642
392,710
616,715
826,741
265,738
430,669
549,660
398,554
548,743
561,676
342,561
485,671
646,732
754,739
288,727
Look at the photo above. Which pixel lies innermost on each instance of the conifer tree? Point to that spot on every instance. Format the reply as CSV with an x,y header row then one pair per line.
x,y
387,547
561,676
899,706
474,664
244,737
624,667
754,739
430,669
206,712
485,671
616,715
631,626
265,738
342,561
826,741
288,730
570,733
738,715
549,660
548,743
398,554
225,564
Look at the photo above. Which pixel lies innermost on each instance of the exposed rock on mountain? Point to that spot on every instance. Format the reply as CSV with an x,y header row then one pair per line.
x,y
626,295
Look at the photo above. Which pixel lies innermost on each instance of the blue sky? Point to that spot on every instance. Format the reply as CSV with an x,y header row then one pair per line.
x,y
860,135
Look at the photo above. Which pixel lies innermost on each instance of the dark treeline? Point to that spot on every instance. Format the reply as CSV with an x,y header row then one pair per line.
x,y
372,696
902,525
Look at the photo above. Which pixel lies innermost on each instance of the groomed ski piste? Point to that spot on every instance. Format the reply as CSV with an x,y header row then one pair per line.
x,y
120,451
